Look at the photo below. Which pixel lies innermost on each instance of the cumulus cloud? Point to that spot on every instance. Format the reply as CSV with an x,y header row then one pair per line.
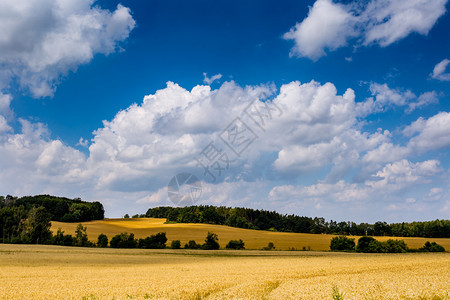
x,y
386,189
161,136
439,71
31,158
434,133
385,97
403,174
387,21
330,25
425,135
42,41
132,157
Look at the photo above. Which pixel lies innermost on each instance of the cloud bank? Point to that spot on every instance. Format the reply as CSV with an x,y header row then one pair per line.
x,y
134,155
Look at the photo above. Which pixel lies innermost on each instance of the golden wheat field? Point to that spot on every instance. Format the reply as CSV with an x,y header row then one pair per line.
x,y
254,239
54,272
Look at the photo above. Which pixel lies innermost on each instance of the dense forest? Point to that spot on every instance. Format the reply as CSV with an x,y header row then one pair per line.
x,y
27,219
60,208
271,220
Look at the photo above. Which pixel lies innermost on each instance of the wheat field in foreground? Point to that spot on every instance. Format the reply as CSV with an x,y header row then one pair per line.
x,y
53,272
254,239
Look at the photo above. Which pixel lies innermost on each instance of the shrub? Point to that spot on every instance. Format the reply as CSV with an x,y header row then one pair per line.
x,y
342,243
375,247
363,243
236,245
436,248
126,216
123,240
368,244
61,239
432,247
395,246
270,246
157,241
102,241
176,244
211,242
192,245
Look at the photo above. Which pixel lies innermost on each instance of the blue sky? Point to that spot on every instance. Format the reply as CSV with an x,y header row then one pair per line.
x,y
109,100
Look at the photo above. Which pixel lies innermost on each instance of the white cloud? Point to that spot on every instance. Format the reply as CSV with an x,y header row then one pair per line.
x,y
209,80
425,135
434,133
439,71
42,41
313,112
403,174
83,143
387,21
133,156
4,125
387,189
35,161
161,136
386,152
331,26
384,97
424,99
328,26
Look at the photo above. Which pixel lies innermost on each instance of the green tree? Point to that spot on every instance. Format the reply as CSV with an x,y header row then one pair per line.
x,y
375,247
363,243
157,241
432,247
126,216
342,243
102,240
81,237
37,226
211,242
395,246
11,222
123,240
192,245
176,244
236,245
62,239
436,247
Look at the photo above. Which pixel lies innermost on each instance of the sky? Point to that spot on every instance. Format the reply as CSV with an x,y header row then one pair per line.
x,y
318,108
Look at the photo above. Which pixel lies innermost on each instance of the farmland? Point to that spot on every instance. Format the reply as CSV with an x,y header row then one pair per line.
x,y
253,239
54,272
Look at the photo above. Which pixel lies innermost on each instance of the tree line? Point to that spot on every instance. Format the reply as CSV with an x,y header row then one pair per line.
x,y
367,244
270,220
28,219
60,208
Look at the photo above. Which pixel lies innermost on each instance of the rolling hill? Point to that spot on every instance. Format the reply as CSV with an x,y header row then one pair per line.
x,y
254,239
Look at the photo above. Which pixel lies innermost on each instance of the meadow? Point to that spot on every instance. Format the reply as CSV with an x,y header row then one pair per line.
x,y
254,239
55,272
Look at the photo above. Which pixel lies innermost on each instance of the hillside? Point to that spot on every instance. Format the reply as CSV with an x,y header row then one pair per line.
x,y
254,239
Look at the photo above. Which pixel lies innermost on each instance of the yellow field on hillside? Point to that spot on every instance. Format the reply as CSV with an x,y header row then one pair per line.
x,y
254,239
54,272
